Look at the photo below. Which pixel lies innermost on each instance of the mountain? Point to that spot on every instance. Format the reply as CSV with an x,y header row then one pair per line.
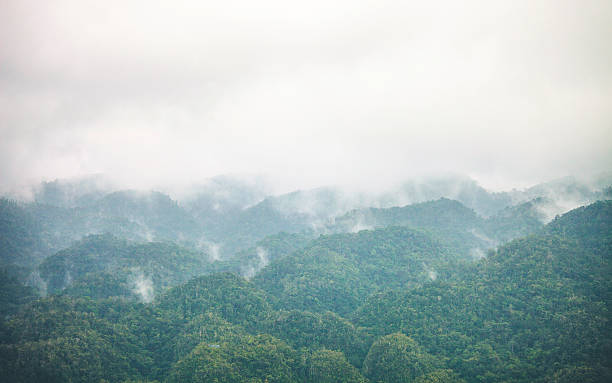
x,y
103,265
249,261
318,285
517,221
385,305
13,293
535,304
223,196
567,193
590,225
232,213
297,212
457,224
562,194
459,188
233,298
69,193
140,216
336,272
450,220
20,235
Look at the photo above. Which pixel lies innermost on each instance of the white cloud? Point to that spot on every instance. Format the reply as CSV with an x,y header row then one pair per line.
x,y
310,92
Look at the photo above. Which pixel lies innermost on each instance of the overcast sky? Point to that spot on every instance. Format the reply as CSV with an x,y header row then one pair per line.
x,y
310,92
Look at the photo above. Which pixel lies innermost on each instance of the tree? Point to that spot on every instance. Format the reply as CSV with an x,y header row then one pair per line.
x,y
397,358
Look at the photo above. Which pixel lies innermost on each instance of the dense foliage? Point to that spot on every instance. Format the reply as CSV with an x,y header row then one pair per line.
x,y
19,234
13,293
120,266
337,272
451,221
536,304
387,295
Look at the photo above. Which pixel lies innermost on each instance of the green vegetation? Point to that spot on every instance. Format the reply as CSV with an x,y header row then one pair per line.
x,y
13,293
402,302
138,216
536,304
450,221
337,272
19,235
261,358
396,358
227,295
115,266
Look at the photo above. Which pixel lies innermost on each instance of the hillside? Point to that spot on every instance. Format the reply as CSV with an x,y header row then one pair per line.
x,y
310,286
336,272
20,239
451,221
103,265
535,304
387,305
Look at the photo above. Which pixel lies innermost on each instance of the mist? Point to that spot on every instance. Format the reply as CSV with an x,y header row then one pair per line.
x,y
350,190
256,264
167,94
142,286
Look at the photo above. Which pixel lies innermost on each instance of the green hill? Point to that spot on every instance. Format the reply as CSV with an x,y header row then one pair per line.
x,y
337,272
139,267
536,304
392,304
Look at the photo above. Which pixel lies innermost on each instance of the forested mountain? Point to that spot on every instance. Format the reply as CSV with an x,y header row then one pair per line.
x,y
142,216
75,192
314,286
307,211
246,227
517,220
122,267
220,195
20,241
535,310
562,194
229,214
249,261
443,218
13,293
459,188
336,272
517,212
590,225
450,220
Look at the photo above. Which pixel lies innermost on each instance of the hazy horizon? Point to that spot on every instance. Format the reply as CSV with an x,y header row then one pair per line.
x,y
362,94
267,186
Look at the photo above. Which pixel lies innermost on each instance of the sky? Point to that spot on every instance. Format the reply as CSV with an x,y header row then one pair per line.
x,y
310,93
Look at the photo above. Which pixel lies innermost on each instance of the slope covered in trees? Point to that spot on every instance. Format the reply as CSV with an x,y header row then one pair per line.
x,y
536,304
336,272
447,219
451,221
402,300
13,293
141,216
20,241
112,266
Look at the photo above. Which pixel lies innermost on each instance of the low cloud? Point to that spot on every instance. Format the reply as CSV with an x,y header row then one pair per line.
x,y
358,93
257,264
142,286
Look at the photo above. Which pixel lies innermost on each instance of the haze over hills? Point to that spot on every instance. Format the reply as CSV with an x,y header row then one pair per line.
x,y
311,283
305,192
427,292
232,281
227,214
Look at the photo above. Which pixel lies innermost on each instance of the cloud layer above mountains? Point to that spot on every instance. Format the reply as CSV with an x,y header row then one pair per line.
x,y
318,92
